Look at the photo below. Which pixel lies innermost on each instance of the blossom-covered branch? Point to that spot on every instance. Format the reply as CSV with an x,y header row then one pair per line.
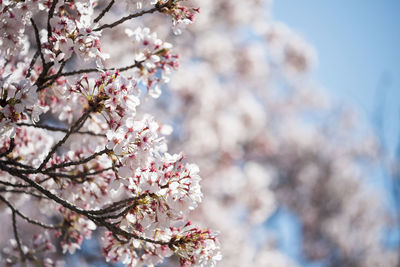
x,y
76,147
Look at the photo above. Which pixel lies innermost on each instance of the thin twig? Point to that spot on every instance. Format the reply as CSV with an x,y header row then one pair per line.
x,y
16,163
72,163
50,195
16,191
35,56
137,64
38,43
131,16
14,224
65,164
58,129
116,205
26,218
14,185
119,231
51,13
46,66
120,214
80,175
77,125
54,78
101,15
87,213
42,190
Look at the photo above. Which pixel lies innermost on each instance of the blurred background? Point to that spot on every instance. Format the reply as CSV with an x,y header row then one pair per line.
x,y
358,55
357,43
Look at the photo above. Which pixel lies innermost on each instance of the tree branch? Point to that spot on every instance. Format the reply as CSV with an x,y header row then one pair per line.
x,y
76,72
26,218
58,129
131,16
51,13
3,189
72,163
14,185
87,213
45,65
35,56
75,127
101,15
80,175
44,85
16,163
14,224
38,43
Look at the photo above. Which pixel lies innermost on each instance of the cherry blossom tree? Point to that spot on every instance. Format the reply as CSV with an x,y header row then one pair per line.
x,y
92,94
266,137
76,155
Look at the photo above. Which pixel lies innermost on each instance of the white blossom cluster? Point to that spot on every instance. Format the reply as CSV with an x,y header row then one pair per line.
x,y
76,154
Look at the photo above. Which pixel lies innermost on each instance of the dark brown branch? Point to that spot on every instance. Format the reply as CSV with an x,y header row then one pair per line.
x,y
51,13
75,127
14,224
38,43
137,64
46,66
132,16
80,175
35,56
14,185
120,214
54,78
66,164
57,199
16,163
58,129
72,163
16,191
101,15
26,218
42,190
87,213
113,206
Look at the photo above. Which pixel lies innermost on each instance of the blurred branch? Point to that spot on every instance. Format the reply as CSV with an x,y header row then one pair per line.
x,y
158,8
101,15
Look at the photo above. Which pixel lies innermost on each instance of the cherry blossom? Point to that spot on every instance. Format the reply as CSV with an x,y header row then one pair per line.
x,y
76,151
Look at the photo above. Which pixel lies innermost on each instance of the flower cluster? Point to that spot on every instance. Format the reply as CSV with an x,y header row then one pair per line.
x,y
14,18
72,33
180,14
18,100
114,96
95,160
154,57
194,247
40,244
75,228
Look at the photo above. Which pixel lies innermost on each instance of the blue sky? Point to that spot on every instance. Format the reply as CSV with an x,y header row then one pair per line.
x,y
358,46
